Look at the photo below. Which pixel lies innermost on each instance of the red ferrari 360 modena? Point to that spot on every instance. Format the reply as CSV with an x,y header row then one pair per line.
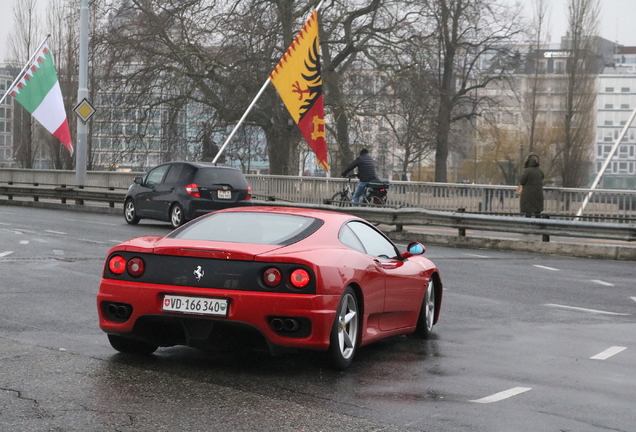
x,y
282,278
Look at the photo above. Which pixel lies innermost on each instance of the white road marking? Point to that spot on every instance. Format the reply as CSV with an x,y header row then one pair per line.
x,y
477,256
634,298
91,241
585,310
4,254
600,282
40,240
58,252
93,223
546,268
502,395
116,241
608,353
24,242
18,232
55,232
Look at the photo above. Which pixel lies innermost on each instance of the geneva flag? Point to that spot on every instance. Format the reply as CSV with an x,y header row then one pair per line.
x,y
298,81
38,91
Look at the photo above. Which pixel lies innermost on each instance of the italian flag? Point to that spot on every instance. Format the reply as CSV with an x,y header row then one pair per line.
x,y
38,91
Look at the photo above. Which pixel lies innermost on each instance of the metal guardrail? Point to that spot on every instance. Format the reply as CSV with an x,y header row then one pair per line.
x,y
389,216
605,205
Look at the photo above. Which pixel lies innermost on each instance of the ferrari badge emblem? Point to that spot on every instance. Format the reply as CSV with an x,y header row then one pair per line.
x,y
198,273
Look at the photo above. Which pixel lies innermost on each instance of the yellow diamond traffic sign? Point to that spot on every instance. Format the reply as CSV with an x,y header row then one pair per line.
x,y
84,110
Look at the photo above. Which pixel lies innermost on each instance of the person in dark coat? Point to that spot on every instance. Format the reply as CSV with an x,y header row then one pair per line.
x,y
532,183
366,172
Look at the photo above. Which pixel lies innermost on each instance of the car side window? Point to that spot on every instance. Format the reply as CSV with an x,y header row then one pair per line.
x,y
156,175
348,238
375,244
174,174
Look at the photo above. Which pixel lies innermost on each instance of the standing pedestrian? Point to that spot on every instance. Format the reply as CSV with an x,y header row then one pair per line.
x,y
366,172
531,182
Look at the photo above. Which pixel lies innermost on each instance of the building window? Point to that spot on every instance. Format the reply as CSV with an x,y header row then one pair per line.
x,y
624,106
608,123
609,89
609,106
625,89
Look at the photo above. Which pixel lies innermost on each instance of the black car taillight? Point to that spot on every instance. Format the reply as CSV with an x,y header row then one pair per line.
x,y
193,190
249,193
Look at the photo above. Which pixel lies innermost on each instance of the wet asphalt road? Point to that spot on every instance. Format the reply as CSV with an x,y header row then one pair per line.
x,y
525,343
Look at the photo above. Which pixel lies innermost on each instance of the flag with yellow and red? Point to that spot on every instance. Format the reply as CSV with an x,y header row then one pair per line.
x,y
298,80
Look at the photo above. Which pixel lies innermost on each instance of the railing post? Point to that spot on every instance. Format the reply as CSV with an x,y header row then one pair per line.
x,y
462,231
545,237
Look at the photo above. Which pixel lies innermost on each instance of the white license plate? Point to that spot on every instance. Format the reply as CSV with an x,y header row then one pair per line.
x,y
225,194
195,305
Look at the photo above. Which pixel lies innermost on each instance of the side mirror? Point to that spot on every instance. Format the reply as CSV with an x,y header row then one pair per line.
x,y
414,248
138,180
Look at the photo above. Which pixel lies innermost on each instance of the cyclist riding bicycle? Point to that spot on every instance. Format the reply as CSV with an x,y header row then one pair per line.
x,y
366,172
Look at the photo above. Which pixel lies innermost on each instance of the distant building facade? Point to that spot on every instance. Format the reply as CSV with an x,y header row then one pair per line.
x,y
6,120
616,101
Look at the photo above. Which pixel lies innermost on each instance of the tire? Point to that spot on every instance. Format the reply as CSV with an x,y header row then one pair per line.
x,y
131,346
424,327
340,200
344,334
176,215
130,212
378,201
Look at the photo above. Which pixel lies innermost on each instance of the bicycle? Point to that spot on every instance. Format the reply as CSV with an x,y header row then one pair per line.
x,y
374,194
343,197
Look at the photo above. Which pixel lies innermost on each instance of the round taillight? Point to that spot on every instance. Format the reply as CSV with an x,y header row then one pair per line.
x,y
299,278
117,264
272,277
136,267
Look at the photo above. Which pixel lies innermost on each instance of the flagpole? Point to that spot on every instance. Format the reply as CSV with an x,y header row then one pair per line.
x,y
28,65
248,110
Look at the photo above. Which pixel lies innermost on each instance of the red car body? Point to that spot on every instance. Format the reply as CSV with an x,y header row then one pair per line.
x,y
391,294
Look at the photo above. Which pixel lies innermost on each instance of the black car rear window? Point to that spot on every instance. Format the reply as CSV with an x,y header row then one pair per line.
x,y
249,227
215,176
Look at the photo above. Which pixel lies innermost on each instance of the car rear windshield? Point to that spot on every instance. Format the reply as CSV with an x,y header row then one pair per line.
x,y
214,176
249,227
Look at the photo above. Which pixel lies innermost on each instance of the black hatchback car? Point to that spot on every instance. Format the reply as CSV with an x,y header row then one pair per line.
x,y
180,191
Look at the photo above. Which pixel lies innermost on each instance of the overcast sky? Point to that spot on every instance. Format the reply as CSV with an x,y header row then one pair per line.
x,y
616,20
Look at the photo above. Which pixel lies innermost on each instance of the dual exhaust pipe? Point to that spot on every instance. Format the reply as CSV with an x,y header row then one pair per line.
x,y
119,311
285,325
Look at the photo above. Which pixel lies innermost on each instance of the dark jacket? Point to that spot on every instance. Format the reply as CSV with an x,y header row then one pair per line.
x,y
532,192
366,168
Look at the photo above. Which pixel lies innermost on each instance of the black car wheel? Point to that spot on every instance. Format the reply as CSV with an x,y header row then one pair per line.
x,y
344,334
130,212
427,313
176,216
131,346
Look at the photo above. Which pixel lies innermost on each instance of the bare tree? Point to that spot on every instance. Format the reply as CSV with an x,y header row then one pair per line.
x,y
537,37
23,40
464,34
580,92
